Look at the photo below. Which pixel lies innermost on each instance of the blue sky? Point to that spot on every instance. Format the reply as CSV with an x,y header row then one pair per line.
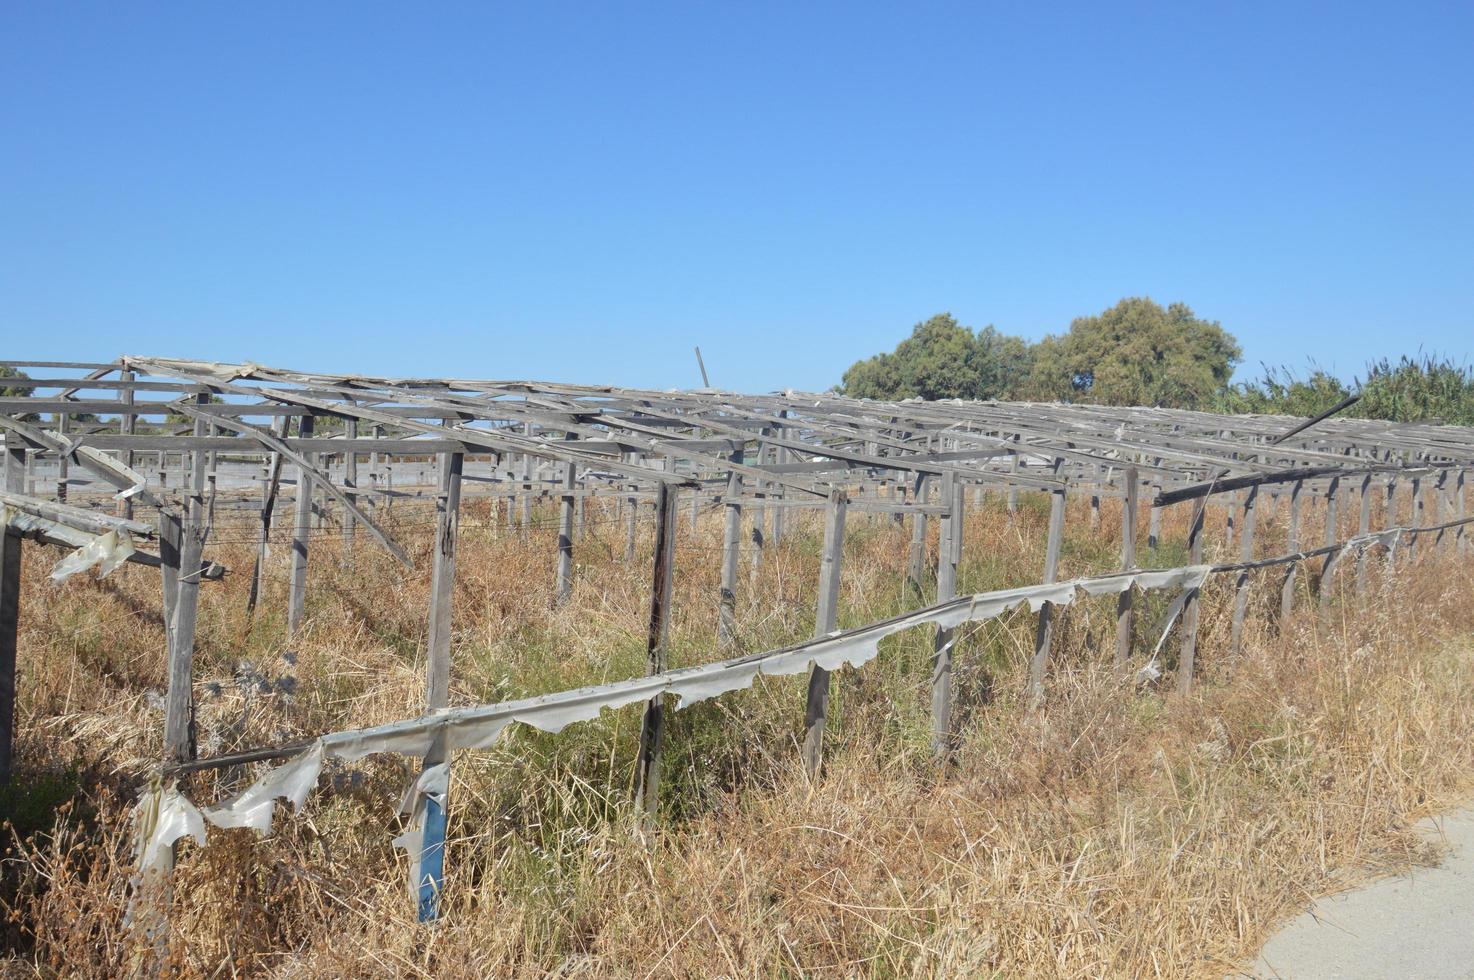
x,y
582,192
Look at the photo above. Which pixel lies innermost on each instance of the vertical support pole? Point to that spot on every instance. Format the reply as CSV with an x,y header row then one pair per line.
x,y
1328,565
942,698
350,487
126,422
1292,544
179,727
816,708
631,526
1124,611
731,553
652,726
301,531
1459,508
1241,581
1045,631
10,562
269,487
565,532
1154,519
1187,654
1012,486
432,814
780,456
1416,515
916,560
62,465
1364,526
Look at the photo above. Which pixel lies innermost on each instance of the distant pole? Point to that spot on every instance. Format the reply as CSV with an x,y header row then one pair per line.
x,y
702,364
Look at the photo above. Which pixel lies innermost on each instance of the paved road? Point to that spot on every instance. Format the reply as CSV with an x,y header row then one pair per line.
x,y
1418,926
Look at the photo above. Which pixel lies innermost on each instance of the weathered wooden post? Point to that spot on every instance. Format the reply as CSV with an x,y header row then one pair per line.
x,y
350,487
1187,654
10,560
301,532
652,726
179,727
916,559
731,553
62,463
1045,632
948,552
1292,544
1128,562
270,485
1333,533
432,814
565,531
1363,527
816,708
1241,581
126,421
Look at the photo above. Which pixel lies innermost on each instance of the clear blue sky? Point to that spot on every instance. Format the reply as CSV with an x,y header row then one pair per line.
x,y
582,192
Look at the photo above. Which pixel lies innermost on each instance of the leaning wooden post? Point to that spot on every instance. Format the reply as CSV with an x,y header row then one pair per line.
x,y
565,532
10,556
1292,544
816,708
1128,562
1043,635
431,815
652,727
1241,583
179,727
1187,654
301,532
731,554
948,553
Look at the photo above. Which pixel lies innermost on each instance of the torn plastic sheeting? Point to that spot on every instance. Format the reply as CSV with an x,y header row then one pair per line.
x,y
254,806
107,551
480,726
164,816
433,781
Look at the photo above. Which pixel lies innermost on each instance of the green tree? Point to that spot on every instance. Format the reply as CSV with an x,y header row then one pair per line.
x,y
1135,353
941,359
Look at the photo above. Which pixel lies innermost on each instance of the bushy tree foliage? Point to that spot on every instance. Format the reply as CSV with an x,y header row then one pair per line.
x,y
1135,353
941,359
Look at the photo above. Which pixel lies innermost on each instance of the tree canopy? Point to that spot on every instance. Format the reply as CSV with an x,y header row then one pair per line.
x,y
1135,353
941,359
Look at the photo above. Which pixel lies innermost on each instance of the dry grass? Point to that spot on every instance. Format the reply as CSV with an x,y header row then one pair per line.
x,y
1119,831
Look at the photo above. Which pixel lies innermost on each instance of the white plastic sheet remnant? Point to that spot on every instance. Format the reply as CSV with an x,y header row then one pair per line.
x,y
254,806
106,551
162,817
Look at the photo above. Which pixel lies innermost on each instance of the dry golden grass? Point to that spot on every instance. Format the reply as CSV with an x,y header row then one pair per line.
x,y
1119,831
